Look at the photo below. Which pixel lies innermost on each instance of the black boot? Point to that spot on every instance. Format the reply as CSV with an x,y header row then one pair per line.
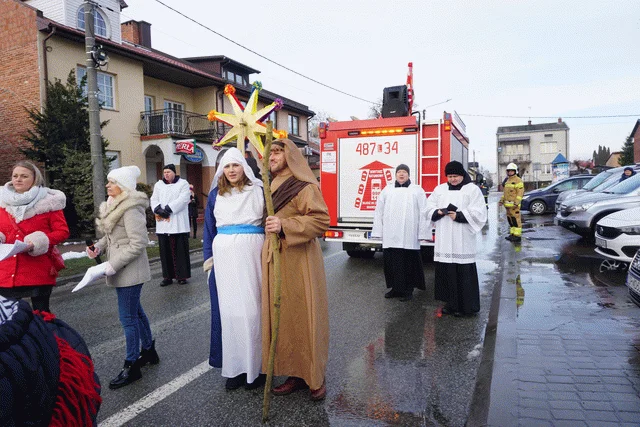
x,y
149,356
130,373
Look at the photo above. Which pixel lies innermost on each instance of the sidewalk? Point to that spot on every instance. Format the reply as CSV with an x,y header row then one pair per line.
x,y
569,359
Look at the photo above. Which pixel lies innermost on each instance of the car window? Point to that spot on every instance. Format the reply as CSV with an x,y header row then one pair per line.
x,y
582,182
563,186
611,180
625,186
597,180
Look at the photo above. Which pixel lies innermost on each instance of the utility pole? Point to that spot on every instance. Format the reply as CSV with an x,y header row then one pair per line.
x,y
97,164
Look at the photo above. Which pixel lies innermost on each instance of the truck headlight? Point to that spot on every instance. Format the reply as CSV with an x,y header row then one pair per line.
x,y
582,207
632,229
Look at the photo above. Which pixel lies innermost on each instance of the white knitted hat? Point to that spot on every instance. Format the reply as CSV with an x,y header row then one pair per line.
x,y
125,177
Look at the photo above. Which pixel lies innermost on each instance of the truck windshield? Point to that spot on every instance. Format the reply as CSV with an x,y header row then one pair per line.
x,y
625,186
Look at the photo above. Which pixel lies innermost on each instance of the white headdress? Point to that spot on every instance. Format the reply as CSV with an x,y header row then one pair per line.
x,y
233,155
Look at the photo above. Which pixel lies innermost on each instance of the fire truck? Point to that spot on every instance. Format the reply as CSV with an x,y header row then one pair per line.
x,y
358,160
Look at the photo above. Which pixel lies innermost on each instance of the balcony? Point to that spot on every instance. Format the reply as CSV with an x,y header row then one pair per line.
x,y
180,124
514,158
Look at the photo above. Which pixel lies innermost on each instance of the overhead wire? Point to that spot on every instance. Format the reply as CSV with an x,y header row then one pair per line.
x,y
261,55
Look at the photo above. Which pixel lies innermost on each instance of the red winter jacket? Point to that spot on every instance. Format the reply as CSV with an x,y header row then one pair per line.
x,y
44,225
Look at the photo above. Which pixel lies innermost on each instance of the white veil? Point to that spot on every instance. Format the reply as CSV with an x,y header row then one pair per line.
x,y
233,155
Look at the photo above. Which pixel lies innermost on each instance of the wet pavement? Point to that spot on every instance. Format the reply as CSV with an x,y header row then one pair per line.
x,y
567,340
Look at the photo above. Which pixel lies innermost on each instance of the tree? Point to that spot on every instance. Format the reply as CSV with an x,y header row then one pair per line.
x,y
601,156
375,110
626,157
59,138
314,123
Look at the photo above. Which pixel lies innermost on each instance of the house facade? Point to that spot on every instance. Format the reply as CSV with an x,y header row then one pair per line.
x,y
532,147
150,98
635,135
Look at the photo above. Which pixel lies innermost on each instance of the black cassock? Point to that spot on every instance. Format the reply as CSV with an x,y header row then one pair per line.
x,y
457,285
403,270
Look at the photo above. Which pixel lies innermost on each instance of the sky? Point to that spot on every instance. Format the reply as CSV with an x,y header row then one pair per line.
x,y
513,60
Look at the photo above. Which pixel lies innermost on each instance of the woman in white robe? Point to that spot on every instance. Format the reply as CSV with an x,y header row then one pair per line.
x,y
458,212
233,240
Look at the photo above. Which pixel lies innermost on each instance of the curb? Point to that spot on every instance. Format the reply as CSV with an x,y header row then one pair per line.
x,y
77,277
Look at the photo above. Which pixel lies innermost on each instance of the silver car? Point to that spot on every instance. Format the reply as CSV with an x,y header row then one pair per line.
x,y
581,213
600,182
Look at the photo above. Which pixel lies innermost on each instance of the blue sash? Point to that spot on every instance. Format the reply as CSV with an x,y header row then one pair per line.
x,y
240,229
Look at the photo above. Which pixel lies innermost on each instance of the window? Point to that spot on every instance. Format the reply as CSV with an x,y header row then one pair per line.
x,y
115,159
293,125
548,147
174,116
105,87
235,77
272,116
99,23
546,168
148,103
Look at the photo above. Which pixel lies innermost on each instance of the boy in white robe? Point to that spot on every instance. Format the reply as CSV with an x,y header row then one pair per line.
x,y
458,211
400,220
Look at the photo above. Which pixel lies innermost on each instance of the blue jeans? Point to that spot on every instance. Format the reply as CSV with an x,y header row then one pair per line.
x,y
134,321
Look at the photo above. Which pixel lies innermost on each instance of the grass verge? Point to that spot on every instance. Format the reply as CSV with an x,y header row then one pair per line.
x,y
80,265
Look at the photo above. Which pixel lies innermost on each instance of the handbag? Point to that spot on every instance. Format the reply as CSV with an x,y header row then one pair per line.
x,y
56,259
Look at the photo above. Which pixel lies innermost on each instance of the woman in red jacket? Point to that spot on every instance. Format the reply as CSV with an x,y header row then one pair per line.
x,y
31,213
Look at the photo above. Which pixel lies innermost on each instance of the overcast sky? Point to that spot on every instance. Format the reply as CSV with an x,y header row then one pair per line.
x,y
495,58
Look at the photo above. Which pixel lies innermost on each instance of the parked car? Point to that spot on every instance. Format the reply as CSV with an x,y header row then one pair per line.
x,y
633,279
582,213
600,182
543,199
618,236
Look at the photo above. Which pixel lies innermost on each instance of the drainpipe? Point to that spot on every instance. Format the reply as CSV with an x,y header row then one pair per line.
x,y
45,68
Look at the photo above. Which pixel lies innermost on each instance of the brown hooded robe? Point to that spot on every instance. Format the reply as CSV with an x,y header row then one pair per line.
x,y
303,340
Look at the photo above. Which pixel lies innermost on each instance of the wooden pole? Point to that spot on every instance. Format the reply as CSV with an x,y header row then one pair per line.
x,y
275,246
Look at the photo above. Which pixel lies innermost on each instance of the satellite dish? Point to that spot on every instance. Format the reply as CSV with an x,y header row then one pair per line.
x,y
99,55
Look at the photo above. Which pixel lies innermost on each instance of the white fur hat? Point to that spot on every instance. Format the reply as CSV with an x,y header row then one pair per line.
x,y
126,177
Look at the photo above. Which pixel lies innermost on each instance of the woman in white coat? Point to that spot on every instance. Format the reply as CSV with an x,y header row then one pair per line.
x,y
124,224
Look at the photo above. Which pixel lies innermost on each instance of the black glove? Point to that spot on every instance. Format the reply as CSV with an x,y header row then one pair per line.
x,y
168,210
161,212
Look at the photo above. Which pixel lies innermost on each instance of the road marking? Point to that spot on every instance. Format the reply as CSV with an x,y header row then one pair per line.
x,y
117,343
156,396
161,393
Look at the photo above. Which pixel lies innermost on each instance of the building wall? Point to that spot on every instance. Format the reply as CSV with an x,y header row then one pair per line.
x,y
122,129
19,79
164,91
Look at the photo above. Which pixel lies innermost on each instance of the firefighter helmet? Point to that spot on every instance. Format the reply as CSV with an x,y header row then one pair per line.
x,y
512,167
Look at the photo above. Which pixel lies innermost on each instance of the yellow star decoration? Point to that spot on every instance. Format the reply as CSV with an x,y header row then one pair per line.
x,y
245,122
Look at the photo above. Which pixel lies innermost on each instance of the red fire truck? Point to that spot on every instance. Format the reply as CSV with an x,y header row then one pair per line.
x,y
358,159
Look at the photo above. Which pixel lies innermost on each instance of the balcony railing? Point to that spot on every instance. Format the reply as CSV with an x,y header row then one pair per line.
x,y
514,158
179,123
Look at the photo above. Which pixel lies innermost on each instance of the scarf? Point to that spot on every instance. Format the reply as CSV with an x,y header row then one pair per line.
x,y
287,191
18,204
407,183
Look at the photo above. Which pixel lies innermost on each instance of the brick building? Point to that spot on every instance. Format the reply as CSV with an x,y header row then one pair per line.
x,y
150,98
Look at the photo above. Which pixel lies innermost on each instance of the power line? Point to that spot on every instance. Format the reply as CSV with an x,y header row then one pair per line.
x,y
550,117
262,56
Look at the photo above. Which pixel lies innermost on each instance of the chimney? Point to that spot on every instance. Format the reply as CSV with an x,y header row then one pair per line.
x,y
559,119
529,122
137,32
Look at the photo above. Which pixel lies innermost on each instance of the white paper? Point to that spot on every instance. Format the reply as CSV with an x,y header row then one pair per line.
x,y
92,274
9,250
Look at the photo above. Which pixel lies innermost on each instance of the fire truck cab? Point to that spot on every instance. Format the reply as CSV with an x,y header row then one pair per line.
x,y
358,160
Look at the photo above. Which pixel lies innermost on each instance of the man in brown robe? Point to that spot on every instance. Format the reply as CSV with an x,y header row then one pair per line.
x,y
301,217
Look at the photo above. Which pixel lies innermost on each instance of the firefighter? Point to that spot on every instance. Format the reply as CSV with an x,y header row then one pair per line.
x,y
511,199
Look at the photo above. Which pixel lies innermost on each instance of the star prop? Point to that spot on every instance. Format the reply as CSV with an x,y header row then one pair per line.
x,y
246,122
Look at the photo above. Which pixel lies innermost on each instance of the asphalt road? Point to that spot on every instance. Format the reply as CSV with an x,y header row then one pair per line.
x,y
389,362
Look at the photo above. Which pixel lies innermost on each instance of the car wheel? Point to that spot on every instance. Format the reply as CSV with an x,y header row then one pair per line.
x,y
612,265
538,207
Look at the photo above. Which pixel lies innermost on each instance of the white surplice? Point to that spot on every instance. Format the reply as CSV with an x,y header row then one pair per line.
x,y
456,241
236,262
400,217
